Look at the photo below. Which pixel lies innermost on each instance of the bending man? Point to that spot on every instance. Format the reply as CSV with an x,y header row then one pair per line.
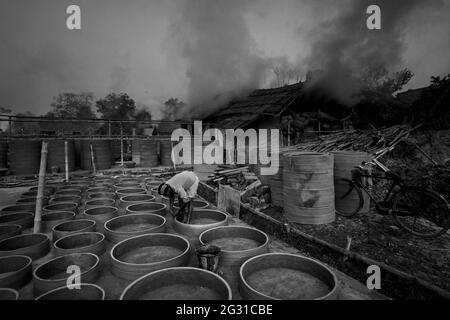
x,y
183,184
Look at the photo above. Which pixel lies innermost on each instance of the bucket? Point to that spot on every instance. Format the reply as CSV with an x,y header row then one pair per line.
x,y
208,257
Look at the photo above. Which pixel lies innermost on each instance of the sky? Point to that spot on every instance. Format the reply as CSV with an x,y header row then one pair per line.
x,y
200,51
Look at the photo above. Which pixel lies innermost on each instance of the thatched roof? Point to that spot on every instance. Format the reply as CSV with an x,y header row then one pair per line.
x,y
264,102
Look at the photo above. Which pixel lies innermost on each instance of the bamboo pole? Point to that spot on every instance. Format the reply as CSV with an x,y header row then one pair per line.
x,y
425,154
41,185
66,159
91,147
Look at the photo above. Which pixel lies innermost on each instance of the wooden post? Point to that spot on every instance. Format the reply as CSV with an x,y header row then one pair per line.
x,y
172,156
41,185
91,147
121,144
109,128
66,159
289,134
10,125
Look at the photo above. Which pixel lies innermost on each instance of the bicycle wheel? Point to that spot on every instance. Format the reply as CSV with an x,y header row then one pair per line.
x,y
348,197
421,212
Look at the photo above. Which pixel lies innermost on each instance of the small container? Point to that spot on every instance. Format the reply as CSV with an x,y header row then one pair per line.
x,y
208,257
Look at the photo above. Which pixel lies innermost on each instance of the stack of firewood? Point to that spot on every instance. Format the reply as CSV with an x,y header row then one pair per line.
x,y
242,179
236,177
373,141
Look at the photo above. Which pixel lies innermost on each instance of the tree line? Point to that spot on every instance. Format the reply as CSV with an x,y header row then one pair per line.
x,y
115,106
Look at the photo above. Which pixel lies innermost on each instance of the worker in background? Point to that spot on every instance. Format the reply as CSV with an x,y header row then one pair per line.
x,y
183,184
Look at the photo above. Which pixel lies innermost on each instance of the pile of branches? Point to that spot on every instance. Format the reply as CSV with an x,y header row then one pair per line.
x,y
240,178
372,141
236,177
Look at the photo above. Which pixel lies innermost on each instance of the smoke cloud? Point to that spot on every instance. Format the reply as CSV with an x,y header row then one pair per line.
x,y
222,61
343,47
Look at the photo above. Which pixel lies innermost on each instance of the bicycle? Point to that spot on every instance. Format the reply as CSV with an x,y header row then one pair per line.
x,y
417,210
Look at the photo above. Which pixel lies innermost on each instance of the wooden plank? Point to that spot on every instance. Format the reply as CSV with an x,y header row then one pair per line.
x,y
229,200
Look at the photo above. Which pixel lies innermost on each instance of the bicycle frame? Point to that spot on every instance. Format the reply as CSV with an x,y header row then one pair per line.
x,y
357,175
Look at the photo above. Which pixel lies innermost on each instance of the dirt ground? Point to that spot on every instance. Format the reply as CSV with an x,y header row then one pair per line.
x,y
377,237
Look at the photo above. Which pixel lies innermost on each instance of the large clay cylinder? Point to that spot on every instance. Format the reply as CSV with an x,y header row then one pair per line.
x,y
3,154
136,152
275,182
24,156
115,149
149,153
56,155
102,154
344,162
308,190
165,149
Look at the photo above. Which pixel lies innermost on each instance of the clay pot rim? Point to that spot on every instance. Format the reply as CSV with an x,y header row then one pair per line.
x,y
52,201
186,251
119,186
138,195
266,242
43,236
100,289
326,268
28,263
97,262
75,220
226,215
118,191
22,213
134,214
201,200
89,196
228,287
96,207
99,199
13,291
17,227
2,213
28,197
163,207
89,190
102,238
74,205
68,190
71,214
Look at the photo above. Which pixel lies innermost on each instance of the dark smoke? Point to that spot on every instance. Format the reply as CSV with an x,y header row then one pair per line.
x,y
215,41
343,48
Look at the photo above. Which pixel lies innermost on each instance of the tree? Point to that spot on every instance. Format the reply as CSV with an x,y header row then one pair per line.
x,y
377,105
117,107
5,110
73,106
432,106
172,109
377,82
